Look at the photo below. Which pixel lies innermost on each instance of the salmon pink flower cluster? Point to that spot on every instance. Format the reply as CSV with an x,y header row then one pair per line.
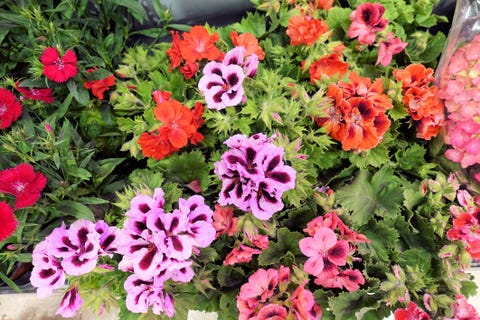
x,y
461,309
328,253
263,297
221,83
357,118
421,99
253,175
179,125
466,222
460,91
157,246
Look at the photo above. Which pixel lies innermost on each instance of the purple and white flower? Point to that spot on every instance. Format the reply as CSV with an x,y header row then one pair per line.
x,y
70,304
254,176
47,273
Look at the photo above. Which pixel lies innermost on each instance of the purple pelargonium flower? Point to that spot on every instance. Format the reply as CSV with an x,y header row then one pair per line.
x,y
47,273
222,85
78,247
237,56
170,234
200,223
141,294
70,304
108,236
254,176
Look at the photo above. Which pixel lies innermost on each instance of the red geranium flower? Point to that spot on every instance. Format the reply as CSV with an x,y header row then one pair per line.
x,y
42,94
412,312
8,221
23,183
98,87
56,68
10,108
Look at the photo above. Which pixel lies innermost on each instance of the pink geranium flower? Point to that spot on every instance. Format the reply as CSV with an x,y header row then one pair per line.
x,y
323,246
462,310
241,254
304,305
23,183
223,220
367,20
388,48
271,312
260,286
70,304
56,68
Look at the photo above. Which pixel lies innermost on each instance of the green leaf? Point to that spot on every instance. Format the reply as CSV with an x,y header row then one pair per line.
x,y
105,167
382,237
79,92
134,8
285,246
230,276
9,282
75,209
253,23
186,167
416,257
366,197
98,74
348,304
152,32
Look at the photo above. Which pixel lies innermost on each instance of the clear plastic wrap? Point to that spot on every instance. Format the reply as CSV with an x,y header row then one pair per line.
x,y
458,79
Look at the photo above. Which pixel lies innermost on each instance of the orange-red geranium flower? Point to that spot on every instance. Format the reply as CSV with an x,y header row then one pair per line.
x,y
323,4
355,122
198,44
328,66
174,51
155,144
414,75
249,42
98,87
179,126
305,30
363,87
178,119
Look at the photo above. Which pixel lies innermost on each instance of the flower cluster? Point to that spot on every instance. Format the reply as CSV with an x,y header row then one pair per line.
x,y
179,126
253,175
196,45
74,251
421,99
367,21
466,222
459,89
265,294
221,83
157,246
357,118
328,252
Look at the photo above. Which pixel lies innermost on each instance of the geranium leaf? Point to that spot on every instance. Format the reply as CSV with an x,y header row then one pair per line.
x,y
348,304
230,276
287,242
253,23
383,238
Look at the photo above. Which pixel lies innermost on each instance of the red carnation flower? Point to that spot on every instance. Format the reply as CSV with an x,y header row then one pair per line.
x,y
10,108
56,68
23,183
8,221
42,94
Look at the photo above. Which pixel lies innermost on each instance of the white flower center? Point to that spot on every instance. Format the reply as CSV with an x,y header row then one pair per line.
x,y
19,186
3,108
